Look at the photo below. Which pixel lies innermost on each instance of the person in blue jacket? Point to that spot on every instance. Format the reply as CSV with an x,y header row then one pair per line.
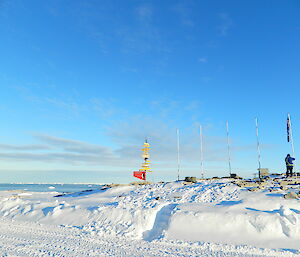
x,y
289,165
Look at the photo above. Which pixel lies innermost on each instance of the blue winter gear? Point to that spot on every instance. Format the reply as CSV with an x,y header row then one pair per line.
x,y
289,161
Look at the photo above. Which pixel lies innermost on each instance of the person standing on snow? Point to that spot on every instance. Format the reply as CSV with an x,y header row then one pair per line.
x,y
289,165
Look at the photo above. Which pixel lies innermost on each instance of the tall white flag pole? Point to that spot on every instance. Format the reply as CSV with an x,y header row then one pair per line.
x,y
178,160
201,151
291,134
292,141
258,147
228,148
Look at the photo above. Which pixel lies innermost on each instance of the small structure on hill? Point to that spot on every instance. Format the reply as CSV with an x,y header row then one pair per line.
x,y
145,167
190,179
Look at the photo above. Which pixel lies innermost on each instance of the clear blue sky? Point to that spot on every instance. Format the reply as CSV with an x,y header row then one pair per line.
x,y
84,82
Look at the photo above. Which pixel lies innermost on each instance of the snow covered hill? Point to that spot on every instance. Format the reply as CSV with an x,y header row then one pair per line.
x,y
208,218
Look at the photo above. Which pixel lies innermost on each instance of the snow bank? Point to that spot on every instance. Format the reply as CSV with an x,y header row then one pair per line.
x,y
212,211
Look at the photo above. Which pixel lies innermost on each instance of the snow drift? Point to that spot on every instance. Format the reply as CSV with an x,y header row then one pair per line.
x,y
211,211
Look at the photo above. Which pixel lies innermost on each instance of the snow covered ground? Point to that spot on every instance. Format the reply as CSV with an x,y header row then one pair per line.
x,y
209,218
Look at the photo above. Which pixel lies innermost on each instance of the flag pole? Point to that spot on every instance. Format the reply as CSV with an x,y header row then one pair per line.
x,y
291,134
201,151
258,148
228,148
292,141
178,160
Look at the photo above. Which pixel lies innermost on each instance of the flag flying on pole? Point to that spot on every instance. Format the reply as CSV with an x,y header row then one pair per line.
x,y
288,126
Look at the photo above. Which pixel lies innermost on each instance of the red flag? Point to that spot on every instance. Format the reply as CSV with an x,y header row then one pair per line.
x,y
288,126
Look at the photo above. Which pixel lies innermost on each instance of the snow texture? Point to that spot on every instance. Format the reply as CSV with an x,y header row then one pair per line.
x,y
208,218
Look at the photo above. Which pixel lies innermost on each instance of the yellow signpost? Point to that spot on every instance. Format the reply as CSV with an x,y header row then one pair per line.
x,y
146,165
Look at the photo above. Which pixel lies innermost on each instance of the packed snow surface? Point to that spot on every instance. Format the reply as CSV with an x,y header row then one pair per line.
x,y
208,218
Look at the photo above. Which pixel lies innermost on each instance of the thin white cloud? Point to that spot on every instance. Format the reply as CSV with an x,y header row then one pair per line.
x,y
184,13
165,107
145,12
105,107
69,105
64,157
8,147
128,136
206,79
143,36
193,106
62,150
73,145
226,24
130,69
202,60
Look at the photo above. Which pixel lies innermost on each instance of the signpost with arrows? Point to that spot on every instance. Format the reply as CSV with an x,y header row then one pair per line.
x,y
141,174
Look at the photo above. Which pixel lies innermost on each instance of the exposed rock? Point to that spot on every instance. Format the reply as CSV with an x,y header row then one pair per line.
x,y
250,184
291,195
284,183
263,183
139,183
119,185
190,179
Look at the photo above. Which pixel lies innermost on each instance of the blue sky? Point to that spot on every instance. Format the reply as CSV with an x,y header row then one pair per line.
x,y
84,82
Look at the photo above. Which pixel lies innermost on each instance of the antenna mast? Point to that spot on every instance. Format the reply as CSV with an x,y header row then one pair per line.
x,y
228,148
178,160
201,151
